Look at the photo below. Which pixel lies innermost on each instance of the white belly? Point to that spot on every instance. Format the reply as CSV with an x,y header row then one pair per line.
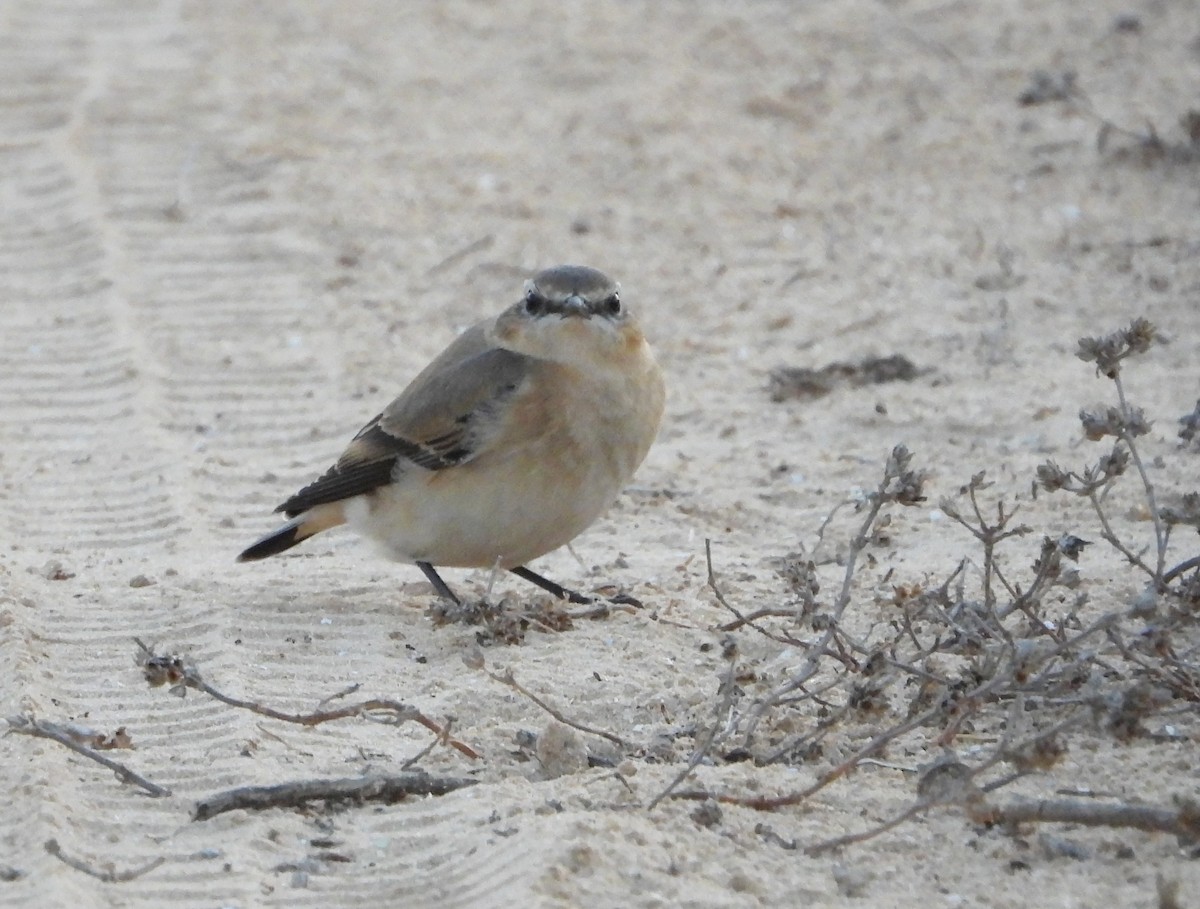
x,y
481,515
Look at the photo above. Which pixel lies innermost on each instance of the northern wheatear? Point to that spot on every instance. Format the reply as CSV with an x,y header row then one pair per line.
x,y
508,445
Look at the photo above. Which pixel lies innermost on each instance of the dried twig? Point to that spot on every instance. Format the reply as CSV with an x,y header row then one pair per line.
x,y
740,619
109,875
702,750
602,609
850,839
27,725
458,255
1183,822
948,782
172,670
1016,657
298,794
771,803
750,618
1182,568
1000,679
428,749
508,679
1125,423
899,485
988,534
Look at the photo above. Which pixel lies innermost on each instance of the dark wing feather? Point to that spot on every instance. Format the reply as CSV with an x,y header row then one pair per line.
x,y
444,417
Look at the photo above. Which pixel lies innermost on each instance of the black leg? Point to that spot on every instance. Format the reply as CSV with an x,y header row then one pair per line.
x,y
546,584
438,584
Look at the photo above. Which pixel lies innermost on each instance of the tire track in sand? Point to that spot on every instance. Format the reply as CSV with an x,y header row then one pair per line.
x,y
159,342
66,405
116,305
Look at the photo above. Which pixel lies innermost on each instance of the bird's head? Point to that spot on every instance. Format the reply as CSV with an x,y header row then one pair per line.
x,y
568,314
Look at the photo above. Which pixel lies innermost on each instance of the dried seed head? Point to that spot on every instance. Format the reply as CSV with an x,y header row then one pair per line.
x,y
1140,335
868,699
1110,421
1029,656
1050,477
1049,560
949,508
908,488
1108,351
1040,754
729,647
1104,421
1187,511
1115,463
1127,709
977,481
1136,423
800,574
1053,477
163,670
898,461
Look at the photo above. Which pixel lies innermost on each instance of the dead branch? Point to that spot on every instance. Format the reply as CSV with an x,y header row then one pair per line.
x,y
1183,822
1182,568
1110,536
172,670
27,725
386,789
109,875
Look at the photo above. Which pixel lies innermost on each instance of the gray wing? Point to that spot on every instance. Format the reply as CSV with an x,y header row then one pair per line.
x,y
445,417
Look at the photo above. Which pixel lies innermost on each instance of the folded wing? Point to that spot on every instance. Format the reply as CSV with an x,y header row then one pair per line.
x,y
446,417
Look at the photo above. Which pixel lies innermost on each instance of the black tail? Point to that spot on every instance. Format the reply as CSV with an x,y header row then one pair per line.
x,y
275,542
298,529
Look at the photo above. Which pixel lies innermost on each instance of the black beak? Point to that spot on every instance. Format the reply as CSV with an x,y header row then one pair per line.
x,y
576,305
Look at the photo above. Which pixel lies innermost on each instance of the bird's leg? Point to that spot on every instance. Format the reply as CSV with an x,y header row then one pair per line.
x,y
546,584
438,584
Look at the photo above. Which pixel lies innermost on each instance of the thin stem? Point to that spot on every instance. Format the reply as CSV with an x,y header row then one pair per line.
x,y
1115,541
1160,538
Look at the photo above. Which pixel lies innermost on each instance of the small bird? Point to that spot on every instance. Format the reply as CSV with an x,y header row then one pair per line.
x,y
507,446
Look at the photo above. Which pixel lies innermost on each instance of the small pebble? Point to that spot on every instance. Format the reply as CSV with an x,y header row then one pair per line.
x,y
561,750
851,881
53,570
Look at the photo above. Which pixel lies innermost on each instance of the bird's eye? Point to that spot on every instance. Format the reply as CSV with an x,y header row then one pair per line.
x,y
612,305
535,303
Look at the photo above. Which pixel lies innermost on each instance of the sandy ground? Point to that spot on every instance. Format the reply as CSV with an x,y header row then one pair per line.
x,y
230,232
